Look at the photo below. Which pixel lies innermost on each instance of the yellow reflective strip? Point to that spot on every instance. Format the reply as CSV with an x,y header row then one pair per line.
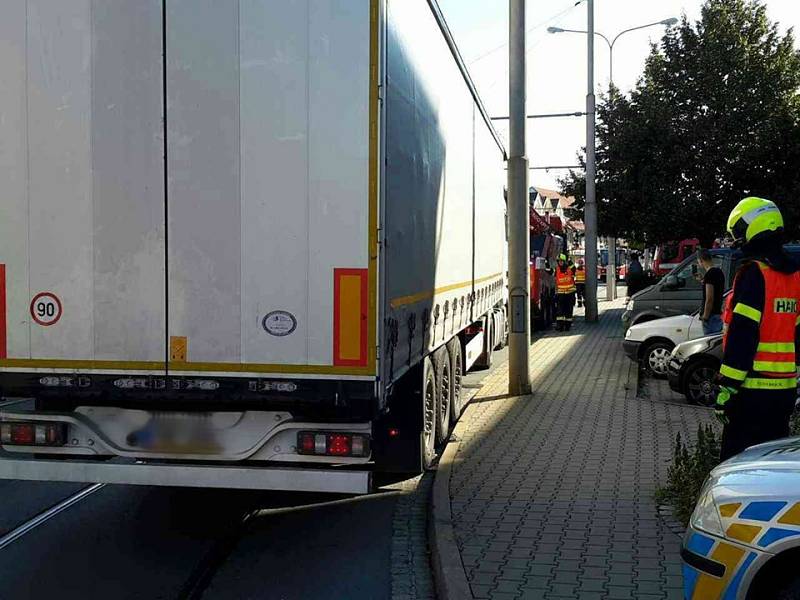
x,y
349,306
743,533
709,586
776,347
728,510
748,311
791,516
732,373
774,367
756,383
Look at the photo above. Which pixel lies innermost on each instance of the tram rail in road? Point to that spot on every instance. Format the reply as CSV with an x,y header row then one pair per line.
x,y
41,518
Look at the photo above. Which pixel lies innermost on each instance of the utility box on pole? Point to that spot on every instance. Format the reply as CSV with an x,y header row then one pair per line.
x,y
519,273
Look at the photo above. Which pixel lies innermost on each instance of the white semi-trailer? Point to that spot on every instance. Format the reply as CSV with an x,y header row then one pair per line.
x,y
246,243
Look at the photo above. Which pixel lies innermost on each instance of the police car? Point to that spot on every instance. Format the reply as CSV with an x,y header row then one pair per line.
x,y
743,540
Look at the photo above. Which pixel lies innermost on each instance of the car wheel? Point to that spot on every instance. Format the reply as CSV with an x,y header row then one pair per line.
x,y
655,357
790,591
699,387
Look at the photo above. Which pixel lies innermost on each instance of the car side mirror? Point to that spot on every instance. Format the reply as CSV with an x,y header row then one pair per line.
x,y
671,282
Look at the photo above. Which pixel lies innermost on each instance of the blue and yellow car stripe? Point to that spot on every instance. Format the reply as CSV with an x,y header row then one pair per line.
x,y
758,524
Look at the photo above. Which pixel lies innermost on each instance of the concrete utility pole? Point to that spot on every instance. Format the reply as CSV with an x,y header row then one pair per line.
x,y
611,242
519,273
590,210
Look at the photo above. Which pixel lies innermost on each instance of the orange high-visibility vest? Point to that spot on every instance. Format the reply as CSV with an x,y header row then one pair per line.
x,y
580,275
774,364
565,281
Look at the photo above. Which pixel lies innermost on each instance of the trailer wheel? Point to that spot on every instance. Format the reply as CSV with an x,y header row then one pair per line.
x,y
502,329
429,404
488,347
456,375
441,362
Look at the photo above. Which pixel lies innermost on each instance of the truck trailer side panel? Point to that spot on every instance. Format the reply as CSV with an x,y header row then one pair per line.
x,y
444,208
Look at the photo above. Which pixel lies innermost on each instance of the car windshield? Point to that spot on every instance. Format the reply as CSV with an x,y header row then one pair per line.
x,y
689,274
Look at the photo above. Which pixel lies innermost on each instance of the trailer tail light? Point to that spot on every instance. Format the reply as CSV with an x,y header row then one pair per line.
x,y
319,443
33,434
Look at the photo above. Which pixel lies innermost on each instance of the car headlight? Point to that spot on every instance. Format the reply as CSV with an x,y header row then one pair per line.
x,y
629,304
705,516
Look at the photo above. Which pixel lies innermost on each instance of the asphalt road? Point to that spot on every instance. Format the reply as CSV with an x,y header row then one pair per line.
x,y
129,542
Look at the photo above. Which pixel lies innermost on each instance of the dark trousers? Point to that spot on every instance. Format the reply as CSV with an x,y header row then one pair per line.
x,y
756,416
580,293
564,305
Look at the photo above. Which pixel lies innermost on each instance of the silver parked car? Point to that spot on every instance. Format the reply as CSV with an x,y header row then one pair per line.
x,y
693,367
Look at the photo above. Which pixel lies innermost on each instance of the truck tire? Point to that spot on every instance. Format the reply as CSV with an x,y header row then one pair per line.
x,y
488,346
502,329
455,353
441,361
429,404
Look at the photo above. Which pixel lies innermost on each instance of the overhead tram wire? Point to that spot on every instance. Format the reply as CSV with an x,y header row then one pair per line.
x,y
532,29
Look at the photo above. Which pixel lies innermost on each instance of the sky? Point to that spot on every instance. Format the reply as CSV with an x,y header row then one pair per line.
x,y
557,63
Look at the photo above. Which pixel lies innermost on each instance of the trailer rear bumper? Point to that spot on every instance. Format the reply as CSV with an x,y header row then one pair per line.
x,y
339,481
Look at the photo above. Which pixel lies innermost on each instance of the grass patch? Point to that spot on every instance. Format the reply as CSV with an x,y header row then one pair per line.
x,y
690,466
688,471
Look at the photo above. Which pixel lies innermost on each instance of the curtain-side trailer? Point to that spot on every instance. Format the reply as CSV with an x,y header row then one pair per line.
x,y
242,244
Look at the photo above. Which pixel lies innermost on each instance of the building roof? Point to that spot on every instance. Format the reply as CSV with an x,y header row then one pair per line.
x,y
552,198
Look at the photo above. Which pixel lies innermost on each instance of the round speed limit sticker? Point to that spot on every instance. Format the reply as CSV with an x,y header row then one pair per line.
x,y
46,309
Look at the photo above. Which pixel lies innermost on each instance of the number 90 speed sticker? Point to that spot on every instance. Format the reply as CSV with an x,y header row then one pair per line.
x,y
46,309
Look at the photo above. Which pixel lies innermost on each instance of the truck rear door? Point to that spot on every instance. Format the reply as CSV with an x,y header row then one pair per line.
x,y
240,245
82,236
269,194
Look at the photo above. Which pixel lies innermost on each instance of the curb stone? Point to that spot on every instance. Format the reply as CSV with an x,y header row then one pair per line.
x,y
448,569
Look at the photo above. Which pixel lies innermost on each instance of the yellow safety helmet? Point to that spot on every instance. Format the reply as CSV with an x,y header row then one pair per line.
x,y
753,217
562,257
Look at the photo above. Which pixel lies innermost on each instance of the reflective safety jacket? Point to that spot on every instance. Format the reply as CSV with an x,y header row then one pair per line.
x,y
565,281
762,317
580,275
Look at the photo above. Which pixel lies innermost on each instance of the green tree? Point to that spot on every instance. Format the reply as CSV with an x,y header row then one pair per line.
x,y
715,117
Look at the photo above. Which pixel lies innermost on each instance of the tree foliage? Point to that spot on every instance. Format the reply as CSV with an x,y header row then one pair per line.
x,y
715,117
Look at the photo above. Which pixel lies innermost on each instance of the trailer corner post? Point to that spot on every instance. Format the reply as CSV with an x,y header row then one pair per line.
x,y
590,210
519,274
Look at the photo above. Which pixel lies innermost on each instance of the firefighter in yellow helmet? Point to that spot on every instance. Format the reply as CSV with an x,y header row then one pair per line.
x,y
758,376
580,282
565,294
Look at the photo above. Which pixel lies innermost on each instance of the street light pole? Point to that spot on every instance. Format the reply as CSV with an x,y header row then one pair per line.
x,y
590,209
611,243
519,255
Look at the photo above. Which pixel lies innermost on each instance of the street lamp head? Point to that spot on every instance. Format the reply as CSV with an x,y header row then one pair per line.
x,y
670,22
555,30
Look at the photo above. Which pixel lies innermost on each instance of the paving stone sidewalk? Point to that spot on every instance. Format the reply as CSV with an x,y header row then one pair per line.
x,y
552,494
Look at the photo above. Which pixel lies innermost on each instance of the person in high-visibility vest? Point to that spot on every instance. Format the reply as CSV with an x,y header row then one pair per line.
x,y
580,282
758,376
565,294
